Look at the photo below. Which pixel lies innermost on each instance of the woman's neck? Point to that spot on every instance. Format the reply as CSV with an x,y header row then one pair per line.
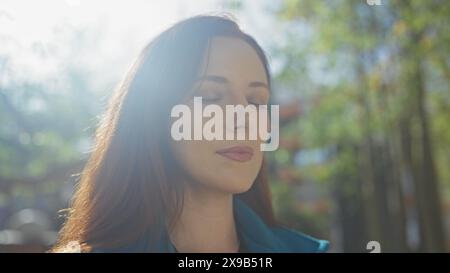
x,y
206,223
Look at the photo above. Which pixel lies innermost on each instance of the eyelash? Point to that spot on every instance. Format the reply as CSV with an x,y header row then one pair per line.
x,y
257,102
211,100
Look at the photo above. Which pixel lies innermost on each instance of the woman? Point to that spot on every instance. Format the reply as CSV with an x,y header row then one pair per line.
x,y
142,191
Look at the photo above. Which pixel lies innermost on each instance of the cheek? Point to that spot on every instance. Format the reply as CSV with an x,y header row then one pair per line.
x,y
196,159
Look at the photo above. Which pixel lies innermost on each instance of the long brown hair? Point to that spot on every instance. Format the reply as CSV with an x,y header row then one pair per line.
x,y
128,185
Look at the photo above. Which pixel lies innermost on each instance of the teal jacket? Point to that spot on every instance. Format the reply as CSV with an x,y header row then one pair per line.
x,y
255,235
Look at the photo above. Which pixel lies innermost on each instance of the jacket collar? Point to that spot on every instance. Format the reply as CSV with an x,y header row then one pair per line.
x,y
258,237
254,233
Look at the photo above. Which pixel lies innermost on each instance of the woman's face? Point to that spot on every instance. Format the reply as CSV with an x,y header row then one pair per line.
x,y
233,74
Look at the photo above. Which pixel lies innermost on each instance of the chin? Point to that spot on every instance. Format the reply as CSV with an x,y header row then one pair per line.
x,y
236,185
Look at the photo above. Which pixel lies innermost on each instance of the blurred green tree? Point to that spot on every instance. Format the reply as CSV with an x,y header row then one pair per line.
x,y
376,82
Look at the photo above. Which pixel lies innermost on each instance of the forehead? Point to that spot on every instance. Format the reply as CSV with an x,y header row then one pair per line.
x,y
234,59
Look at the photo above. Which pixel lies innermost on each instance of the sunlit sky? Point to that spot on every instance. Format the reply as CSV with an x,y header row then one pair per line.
x,y
41,40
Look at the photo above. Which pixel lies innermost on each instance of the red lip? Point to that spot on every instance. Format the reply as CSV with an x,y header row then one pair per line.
x,y
237,153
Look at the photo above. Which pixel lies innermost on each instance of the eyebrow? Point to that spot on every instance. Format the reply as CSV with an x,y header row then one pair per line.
x,y
224,80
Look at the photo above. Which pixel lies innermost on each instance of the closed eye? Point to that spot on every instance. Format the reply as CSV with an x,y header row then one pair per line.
x,y
210,96
257,101
211,99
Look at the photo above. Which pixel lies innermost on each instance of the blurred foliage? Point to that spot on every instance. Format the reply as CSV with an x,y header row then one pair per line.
x,y
375,82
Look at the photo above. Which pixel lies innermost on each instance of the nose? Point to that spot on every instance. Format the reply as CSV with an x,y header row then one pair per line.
x,y
238,98
241,126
